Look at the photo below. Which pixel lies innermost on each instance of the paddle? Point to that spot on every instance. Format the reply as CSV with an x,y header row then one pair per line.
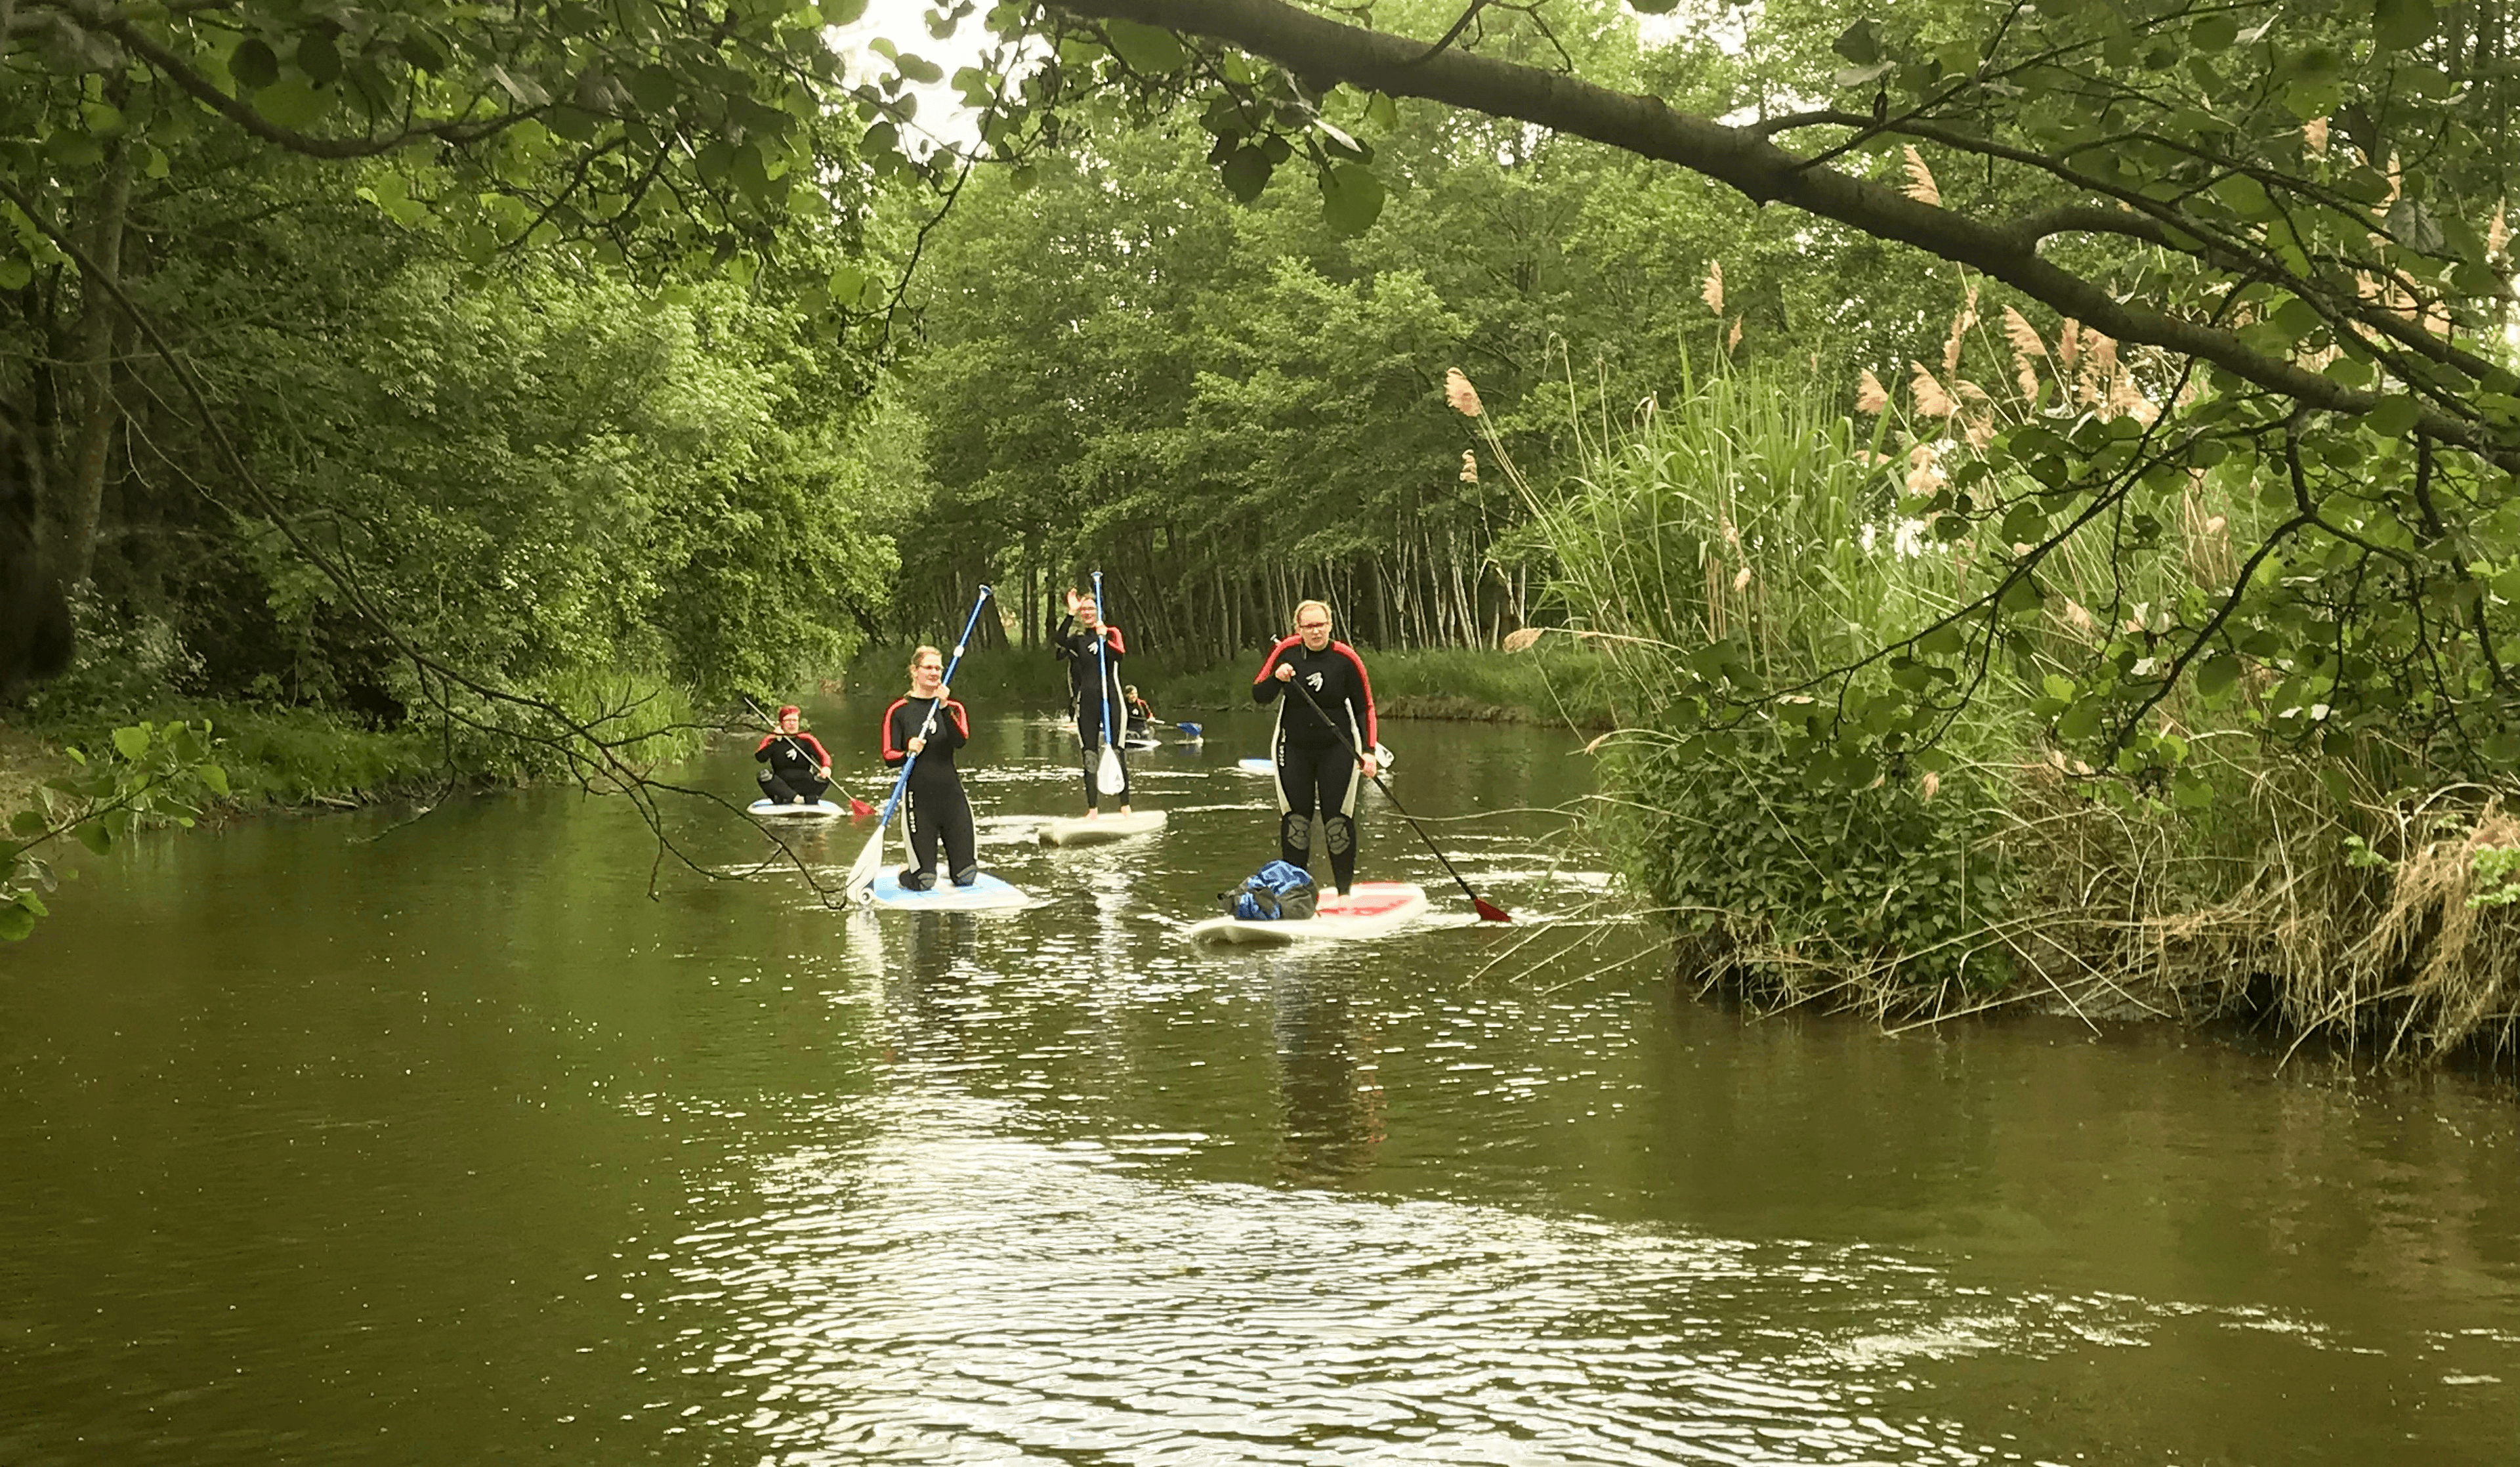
x,y
862,871
1109,776
859,809
1488,910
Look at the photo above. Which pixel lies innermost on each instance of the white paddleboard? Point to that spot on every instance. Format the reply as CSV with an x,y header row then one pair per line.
x,y
1381,760
820,810
1375,909
1141,742
988,894
1079,831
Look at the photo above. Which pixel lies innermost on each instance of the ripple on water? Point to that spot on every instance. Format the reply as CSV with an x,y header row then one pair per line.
x,y
941,1290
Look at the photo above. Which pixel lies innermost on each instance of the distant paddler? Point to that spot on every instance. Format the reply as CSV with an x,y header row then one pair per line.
x,y
1093,649
1142,715
800,769
927,722
1321,740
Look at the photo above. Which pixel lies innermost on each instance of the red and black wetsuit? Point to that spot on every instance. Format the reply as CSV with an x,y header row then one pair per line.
x,y
796,764
933,804
1086,667
1316,747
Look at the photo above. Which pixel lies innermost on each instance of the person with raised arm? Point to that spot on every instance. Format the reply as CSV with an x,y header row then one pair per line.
x,y
1093,649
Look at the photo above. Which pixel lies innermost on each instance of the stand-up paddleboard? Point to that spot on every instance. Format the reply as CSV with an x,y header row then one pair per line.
x,y
1375,909
820,810
1079,831
1381,760
988,894
1141,742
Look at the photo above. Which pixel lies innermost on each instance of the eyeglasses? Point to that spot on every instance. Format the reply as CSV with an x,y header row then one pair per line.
x,y
1312,627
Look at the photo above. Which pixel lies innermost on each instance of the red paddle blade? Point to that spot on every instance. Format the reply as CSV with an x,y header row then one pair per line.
x,y
859,809
1489,911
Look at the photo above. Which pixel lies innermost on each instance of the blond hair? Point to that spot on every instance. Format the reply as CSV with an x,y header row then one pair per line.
x,y
1302,607
925,651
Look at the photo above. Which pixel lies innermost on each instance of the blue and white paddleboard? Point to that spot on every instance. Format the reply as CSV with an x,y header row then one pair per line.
x,y
1078,831
820,810
988,894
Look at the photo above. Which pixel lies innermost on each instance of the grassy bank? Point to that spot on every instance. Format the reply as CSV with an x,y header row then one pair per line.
x,y
1559,682
1740,556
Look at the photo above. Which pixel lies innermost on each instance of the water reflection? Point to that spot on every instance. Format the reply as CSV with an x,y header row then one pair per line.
x,y
1327,1086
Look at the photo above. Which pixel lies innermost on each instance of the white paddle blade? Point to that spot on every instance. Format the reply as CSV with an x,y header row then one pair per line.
x,y
863,870
1107,776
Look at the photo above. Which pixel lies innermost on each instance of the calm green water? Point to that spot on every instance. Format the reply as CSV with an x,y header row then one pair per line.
x,y
456,1147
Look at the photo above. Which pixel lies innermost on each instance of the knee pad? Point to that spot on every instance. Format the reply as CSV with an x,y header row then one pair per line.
x,y
1295,832
1340,832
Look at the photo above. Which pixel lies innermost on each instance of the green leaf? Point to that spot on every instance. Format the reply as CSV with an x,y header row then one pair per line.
x,y
319,58
2392,417
131,741
1859,43
1148,50
33,903
1351,199
16,922
294,103
1246,173
2402,24
253,64
216,780
28,823
15,272
93,835
2216,675
841,12
1381,112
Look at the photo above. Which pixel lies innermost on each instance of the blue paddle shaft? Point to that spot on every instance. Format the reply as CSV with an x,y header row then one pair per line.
x,y
1103,659
892,801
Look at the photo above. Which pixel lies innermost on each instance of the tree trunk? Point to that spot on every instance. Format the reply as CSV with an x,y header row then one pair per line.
x,y
99,324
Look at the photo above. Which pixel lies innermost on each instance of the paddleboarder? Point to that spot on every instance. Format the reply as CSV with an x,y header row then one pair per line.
x,y
1317,741
1093,649
928,722
1142,715
800,770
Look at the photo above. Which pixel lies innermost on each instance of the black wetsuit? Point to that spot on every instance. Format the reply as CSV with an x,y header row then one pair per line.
x,y
796,764
933,804
1086,667
1316,750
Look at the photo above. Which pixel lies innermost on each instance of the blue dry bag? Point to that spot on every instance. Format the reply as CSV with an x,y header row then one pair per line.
x,y
1278,893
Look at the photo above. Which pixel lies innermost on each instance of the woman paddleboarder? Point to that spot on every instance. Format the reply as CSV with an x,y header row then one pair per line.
x,y
1093,649
928,722
800,770
1320,740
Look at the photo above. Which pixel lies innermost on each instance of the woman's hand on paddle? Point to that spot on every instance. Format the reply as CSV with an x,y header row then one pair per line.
x,y
824,774
1285,672
1371,768
918,746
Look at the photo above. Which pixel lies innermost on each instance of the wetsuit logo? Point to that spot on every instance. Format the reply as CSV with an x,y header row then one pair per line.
x,y
1314,681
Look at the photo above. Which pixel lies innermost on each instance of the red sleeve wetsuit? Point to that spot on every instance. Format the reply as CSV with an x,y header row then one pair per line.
x,y
796,764
1316,745
933,804
1088,666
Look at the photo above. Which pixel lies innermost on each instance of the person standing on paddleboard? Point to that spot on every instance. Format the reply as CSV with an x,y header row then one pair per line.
x,y
800,770
1093,688
926,721
1317,742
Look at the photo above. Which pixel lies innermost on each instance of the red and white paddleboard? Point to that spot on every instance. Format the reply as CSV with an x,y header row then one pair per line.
x,y
1373,909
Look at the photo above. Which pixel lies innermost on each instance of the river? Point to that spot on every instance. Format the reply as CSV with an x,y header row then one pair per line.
x,y
324,1142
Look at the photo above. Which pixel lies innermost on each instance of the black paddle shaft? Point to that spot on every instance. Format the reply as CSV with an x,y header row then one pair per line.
x,y
1483,907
